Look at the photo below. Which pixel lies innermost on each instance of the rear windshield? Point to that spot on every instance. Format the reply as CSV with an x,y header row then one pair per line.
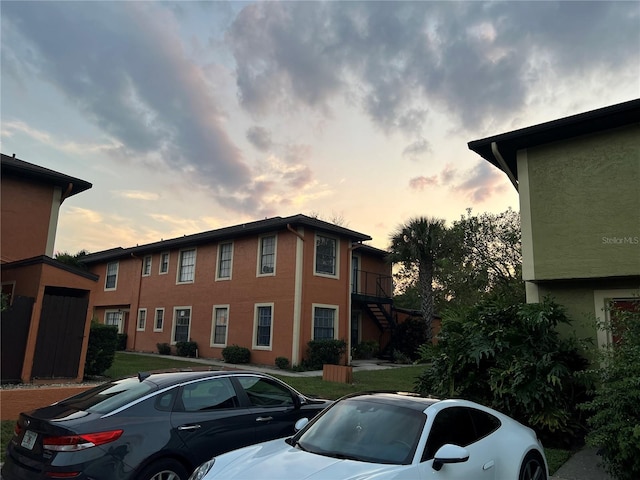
x,y
109,396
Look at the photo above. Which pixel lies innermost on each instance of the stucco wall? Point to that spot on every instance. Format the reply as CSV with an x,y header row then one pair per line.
x,y
585,206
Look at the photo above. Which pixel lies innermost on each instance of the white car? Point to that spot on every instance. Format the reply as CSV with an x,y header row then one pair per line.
x,y
392,436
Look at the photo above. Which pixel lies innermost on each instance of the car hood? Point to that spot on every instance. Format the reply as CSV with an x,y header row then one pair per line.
x,y
277,459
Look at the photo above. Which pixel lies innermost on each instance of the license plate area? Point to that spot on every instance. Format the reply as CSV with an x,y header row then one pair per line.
x,y
29,440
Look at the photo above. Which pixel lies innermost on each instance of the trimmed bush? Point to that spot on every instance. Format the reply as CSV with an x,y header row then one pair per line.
x,y
511,358
321,352
187,349
236,354
615,419
282,362
122,342
164,348
101,349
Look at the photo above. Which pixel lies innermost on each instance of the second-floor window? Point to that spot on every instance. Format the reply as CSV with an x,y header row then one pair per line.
x,y
225,256
326,255
267,255
142,318
187,266
164,262
111,279
146,266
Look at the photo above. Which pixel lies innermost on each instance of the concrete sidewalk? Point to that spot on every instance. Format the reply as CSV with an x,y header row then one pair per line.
x,y
583,465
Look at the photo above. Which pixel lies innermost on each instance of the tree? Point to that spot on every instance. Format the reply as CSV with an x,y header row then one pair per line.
x,y
418,245
72,260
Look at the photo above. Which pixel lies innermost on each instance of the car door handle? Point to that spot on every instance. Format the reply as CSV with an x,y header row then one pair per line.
x,y
264,419
488,465
189,427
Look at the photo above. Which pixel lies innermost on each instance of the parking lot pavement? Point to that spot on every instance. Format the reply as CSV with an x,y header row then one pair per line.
x,y
583,465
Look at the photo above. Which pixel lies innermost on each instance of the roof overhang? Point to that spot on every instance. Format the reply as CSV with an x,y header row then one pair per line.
x,y
501,150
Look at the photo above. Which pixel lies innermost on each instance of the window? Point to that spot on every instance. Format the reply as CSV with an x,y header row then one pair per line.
x,y
219,328
460,426
7,292
265,393
210,394
142,318
326,256
146,266
324,327
111,280
187,266
113,317
164,262
267,255
262,326
225,256
158,323
181,324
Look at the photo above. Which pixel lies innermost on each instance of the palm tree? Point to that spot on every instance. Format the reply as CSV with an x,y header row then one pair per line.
x,y
418,245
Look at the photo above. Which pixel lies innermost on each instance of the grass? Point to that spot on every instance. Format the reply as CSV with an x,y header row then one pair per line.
x,y
401,379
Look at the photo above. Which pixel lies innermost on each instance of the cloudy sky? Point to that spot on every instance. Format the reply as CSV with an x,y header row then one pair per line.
x,y
190,116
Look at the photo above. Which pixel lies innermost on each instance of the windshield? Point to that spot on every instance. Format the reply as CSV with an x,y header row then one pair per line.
x,y
366,430
109,396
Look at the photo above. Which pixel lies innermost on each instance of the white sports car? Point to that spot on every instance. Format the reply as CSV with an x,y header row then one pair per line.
x,y
392,436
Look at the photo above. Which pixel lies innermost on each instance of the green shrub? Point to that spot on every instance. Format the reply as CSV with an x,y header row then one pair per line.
x,y
321,352
101,349
282,362
122,341
187,349
365,350
615,416
164,348
408,336
511,358
236,354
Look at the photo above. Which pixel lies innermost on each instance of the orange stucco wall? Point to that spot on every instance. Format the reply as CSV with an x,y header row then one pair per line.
x,y
26,210
240,293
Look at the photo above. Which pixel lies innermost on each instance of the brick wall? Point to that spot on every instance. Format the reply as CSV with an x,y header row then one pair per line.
x,y
14,401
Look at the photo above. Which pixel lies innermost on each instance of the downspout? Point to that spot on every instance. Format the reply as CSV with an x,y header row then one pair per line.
x,y
135,322
297,295
503,165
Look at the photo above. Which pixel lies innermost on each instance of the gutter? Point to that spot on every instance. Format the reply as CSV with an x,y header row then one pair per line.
x,y
505,168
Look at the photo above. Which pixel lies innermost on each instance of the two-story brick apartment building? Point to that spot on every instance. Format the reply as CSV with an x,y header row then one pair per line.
x,y
271,286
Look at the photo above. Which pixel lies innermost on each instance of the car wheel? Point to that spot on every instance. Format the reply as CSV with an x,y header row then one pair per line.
x,y
165,469
532,467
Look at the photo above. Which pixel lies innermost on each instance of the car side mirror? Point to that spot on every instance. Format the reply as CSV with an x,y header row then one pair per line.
x,y
449,453
300,424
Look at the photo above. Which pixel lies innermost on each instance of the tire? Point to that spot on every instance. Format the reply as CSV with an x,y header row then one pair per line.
x,y
164,469
532,467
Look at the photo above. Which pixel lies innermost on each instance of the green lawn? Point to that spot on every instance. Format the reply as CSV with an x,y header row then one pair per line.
x,y
400,379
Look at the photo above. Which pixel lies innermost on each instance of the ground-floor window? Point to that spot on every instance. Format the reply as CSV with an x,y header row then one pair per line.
x,y
324,322
114,318
142,318
158,324
263,322
181,324
219,327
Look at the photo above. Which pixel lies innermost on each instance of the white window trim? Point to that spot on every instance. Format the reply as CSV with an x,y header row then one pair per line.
x,y
219,253
259,255
155,318
173,324
336,318
195,258
144,326
315,253
160,272
115,287
254,334
213,326
120,323
601,302
144,261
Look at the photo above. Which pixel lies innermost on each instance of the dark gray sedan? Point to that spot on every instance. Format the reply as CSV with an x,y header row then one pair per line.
x,y
157,426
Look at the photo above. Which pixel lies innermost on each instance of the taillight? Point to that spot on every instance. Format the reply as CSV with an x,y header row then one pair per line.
x,y
73,443
62,474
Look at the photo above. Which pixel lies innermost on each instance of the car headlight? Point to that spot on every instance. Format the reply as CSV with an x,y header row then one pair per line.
x,y
202,470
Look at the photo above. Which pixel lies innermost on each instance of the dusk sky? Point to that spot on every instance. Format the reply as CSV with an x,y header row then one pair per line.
x,y
191,116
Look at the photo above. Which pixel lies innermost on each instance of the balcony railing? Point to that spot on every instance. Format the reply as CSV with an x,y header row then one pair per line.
x,y
372,284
